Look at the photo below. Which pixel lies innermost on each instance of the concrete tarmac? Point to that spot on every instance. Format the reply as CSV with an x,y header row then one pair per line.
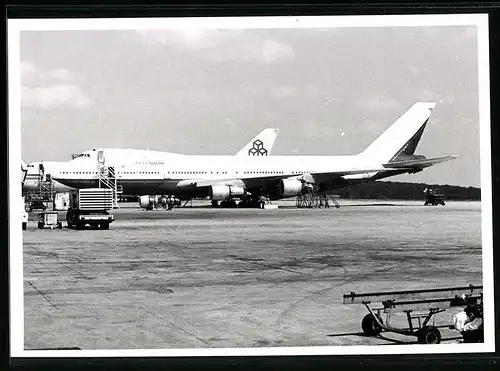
x,y
202,277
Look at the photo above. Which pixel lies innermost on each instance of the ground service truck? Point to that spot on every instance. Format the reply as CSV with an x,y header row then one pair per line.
x,y
90,207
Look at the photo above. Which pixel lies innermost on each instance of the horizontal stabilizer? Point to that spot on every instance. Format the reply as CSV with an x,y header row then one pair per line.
x,y
418,163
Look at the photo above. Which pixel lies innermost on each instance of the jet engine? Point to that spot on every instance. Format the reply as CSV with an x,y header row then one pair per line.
x,y
290,187
148,202
293,187
225,193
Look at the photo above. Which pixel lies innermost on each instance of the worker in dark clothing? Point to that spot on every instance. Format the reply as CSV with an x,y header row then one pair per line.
x,y
473,331
470,323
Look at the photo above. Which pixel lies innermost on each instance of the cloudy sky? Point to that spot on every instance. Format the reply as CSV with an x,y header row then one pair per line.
x,y
329,91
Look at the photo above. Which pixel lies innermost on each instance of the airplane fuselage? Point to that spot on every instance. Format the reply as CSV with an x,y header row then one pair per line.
x,y
170,174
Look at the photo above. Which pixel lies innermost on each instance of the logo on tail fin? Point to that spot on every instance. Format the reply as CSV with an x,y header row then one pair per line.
x,y
257,149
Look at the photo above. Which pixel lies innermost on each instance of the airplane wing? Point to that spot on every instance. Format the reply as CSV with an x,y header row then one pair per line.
x,y
418,163
410,165
254,181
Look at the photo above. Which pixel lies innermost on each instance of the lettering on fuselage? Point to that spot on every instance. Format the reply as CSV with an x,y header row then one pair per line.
x,y
149,163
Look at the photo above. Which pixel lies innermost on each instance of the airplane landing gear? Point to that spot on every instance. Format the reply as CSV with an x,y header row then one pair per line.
x,y
228,204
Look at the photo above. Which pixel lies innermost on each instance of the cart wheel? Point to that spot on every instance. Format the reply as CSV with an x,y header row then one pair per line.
x,y
59,225
429,335
370,326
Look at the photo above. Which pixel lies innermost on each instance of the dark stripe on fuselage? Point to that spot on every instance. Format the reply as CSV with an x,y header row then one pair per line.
x,y
169,186
139,186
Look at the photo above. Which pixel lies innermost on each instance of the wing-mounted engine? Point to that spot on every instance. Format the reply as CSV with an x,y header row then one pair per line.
x,y
360,176
295,186
226,192
148,202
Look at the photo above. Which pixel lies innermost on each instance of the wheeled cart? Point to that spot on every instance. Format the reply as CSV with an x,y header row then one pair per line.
x,y
48,219
434,200
419,306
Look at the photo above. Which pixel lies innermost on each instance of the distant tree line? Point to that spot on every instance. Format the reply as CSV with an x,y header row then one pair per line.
x,y
407,191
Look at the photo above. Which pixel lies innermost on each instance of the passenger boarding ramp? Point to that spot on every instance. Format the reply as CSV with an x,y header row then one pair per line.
x,y
24,171
43,194
107,177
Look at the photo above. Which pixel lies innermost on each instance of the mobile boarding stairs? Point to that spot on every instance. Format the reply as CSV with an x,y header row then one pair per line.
x,y
428,302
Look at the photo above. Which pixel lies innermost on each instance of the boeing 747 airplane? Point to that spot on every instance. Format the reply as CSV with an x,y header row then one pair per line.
x,y
247,178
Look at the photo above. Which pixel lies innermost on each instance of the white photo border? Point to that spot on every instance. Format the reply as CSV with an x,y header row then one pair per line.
x,y
15,26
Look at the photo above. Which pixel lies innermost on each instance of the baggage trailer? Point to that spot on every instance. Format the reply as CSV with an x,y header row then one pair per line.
x,y
48,219
434,200
429,302
89,207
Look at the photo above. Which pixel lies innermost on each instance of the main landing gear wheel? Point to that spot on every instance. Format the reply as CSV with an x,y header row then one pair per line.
x,y
370,326
429,335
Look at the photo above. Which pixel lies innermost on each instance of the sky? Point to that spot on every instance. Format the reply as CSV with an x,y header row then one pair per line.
x,y
330,91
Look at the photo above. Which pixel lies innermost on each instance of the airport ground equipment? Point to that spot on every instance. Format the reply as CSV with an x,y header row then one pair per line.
x,y
433,198
153,202
90,207
261,202
419,306
270,207
107,178
48,219
24,216
43,194
265,203
35,203
61,201
312,200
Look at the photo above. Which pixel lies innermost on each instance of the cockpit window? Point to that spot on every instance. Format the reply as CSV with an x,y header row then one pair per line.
x,y
76,155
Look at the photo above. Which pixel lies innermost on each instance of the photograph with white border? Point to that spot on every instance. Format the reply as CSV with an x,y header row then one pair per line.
x,y
250,186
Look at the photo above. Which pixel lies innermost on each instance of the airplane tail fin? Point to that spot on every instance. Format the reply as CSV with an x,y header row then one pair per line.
x,y
261,145
400,140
